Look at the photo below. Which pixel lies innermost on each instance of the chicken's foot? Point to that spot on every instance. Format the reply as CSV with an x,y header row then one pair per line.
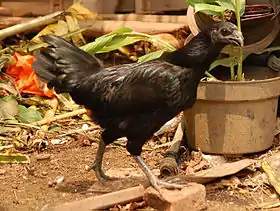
x,y
97,164
155,182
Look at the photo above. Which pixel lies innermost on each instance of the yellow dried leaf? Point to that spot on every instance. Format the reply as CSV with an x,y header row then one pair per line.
x,y
61,28
73,25
50,29
81,13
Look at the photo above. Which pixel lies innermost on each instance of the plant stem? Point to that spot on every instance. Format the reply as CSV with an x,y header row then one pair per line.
x,y
210,75
232,73
240,54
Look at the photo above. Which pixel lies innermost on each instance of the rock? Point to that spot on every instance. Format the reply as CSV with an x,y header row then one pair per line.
x,y
2,171
43,157
192,197
44,173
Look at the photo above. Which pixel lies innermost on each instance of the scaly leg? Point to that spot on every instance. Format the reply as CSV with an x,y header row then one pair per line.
x,y
97,164
155,182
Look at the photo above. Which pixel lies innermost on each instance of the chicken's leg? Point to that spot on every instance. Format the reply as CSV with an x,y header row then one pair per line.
x,y
155,182
97,164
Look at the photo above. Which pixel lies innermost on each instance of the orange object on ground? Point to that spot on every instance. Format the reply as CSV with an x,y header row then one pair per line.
x,y
26,79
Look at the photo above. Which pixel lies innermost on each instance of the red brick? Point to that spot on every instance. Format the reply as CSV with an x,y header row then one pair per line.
x,y
192,197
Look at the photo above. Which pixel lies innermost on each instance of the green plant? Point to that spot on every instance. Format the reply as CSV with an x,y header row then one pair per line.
x,y
218,8
126,36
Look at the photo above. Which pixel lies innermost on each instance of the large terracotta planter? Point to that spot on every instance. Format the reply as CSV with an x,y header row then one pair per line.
x,y
233,117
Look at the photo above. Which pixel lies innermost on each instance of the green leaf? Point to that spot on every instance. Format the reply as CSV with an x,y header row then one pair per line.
x,y
226,5
13,158
119,41
242,6
118,32
193,2
208,8
97,45
109,40
226,62
151,56
54,128
28,115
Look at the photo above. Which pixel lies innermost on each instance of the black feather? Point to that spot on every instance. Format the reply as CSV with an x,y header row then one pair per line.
x,y
132,100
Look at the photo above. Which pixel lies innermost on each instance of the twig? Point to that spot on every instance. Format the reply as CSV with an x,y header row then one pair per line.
x,y
99,28
124,145
19,124
38,22
78,131
66,102
61,116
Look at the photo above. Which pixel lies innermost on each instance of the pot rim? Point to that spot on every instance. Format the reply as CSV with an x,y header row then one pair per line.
x,y
242,82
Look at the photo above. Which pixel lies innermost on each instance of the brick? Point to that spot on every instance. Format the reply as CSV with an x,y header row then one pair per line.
x,y
192,197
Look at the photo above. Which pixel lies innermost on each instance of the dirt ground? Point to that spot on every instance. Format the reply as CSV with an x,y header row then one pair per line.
x,y
27,187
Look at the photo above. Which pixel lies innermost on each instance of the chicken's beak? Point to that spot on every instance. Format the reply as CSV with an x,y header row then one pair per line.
x,y
236,38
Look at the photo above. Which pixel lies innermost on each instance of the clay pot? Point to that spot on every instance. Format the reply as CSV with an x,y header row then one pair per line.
x,y
233,117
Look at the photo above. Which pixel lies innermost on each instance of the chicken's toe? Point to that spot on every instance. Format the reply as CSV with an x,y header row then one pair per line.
x,y
157,184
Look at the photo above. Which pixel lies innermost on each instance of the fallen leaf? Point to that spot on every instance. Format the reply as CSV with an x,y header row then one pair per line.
x,y
80,12
28,115
61,28
8,107
50,29
271,167
73,25
13,158
219,171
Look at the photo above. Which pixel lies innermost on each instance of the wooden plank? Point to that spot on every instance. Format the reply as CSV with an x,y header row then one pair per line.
x,y
139,6
103,201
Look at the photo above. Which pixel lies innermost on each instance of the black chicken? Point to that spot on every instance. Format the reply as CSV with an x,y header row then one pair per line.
x,y
133,100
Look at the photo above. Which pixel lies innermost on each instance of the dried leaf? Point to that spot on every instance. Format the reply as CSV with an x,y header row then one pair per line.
x,y
50,29
73,25
8,88
80,12
13,158
271,167
219,171
8,107
61,28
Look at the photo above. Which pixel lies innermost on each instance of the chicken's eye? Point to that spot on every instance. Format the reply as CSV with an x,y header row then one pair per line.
x,y
225,32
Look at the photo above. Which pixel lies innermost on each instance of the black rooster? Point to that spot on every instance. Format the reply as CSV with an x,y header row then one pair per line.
x,y
133,100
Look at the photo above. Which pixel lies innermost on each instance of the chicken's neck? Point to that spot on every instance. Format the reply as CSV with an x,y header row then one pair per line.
x,y
199,53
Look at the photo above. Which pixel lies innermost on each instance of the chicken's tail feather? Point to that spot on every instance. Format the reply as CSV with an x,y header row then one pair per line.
x,y
62,64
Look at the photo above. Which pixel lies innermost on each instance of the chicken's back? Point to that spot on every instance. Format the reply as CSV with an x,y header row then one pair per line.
x,y
132,100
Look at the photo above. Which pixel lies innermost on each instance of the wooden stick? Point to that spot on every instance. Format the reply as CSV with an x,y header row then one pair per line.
x,y
104,201
168,165
61,116
35,23
146,18
95,127
103,27
99,28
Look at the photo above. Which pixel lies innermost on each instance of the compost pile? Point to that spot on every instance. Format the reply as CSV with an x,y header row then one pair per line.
x,y
35,121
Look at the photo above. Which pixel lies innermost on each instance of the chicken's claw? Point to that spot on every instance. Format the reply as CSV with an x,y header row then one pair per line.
x,y
158,184
100,175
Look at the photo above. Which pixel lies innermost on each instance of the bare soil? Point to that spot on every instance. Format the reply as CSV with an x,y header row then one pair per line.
x,y
26,187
